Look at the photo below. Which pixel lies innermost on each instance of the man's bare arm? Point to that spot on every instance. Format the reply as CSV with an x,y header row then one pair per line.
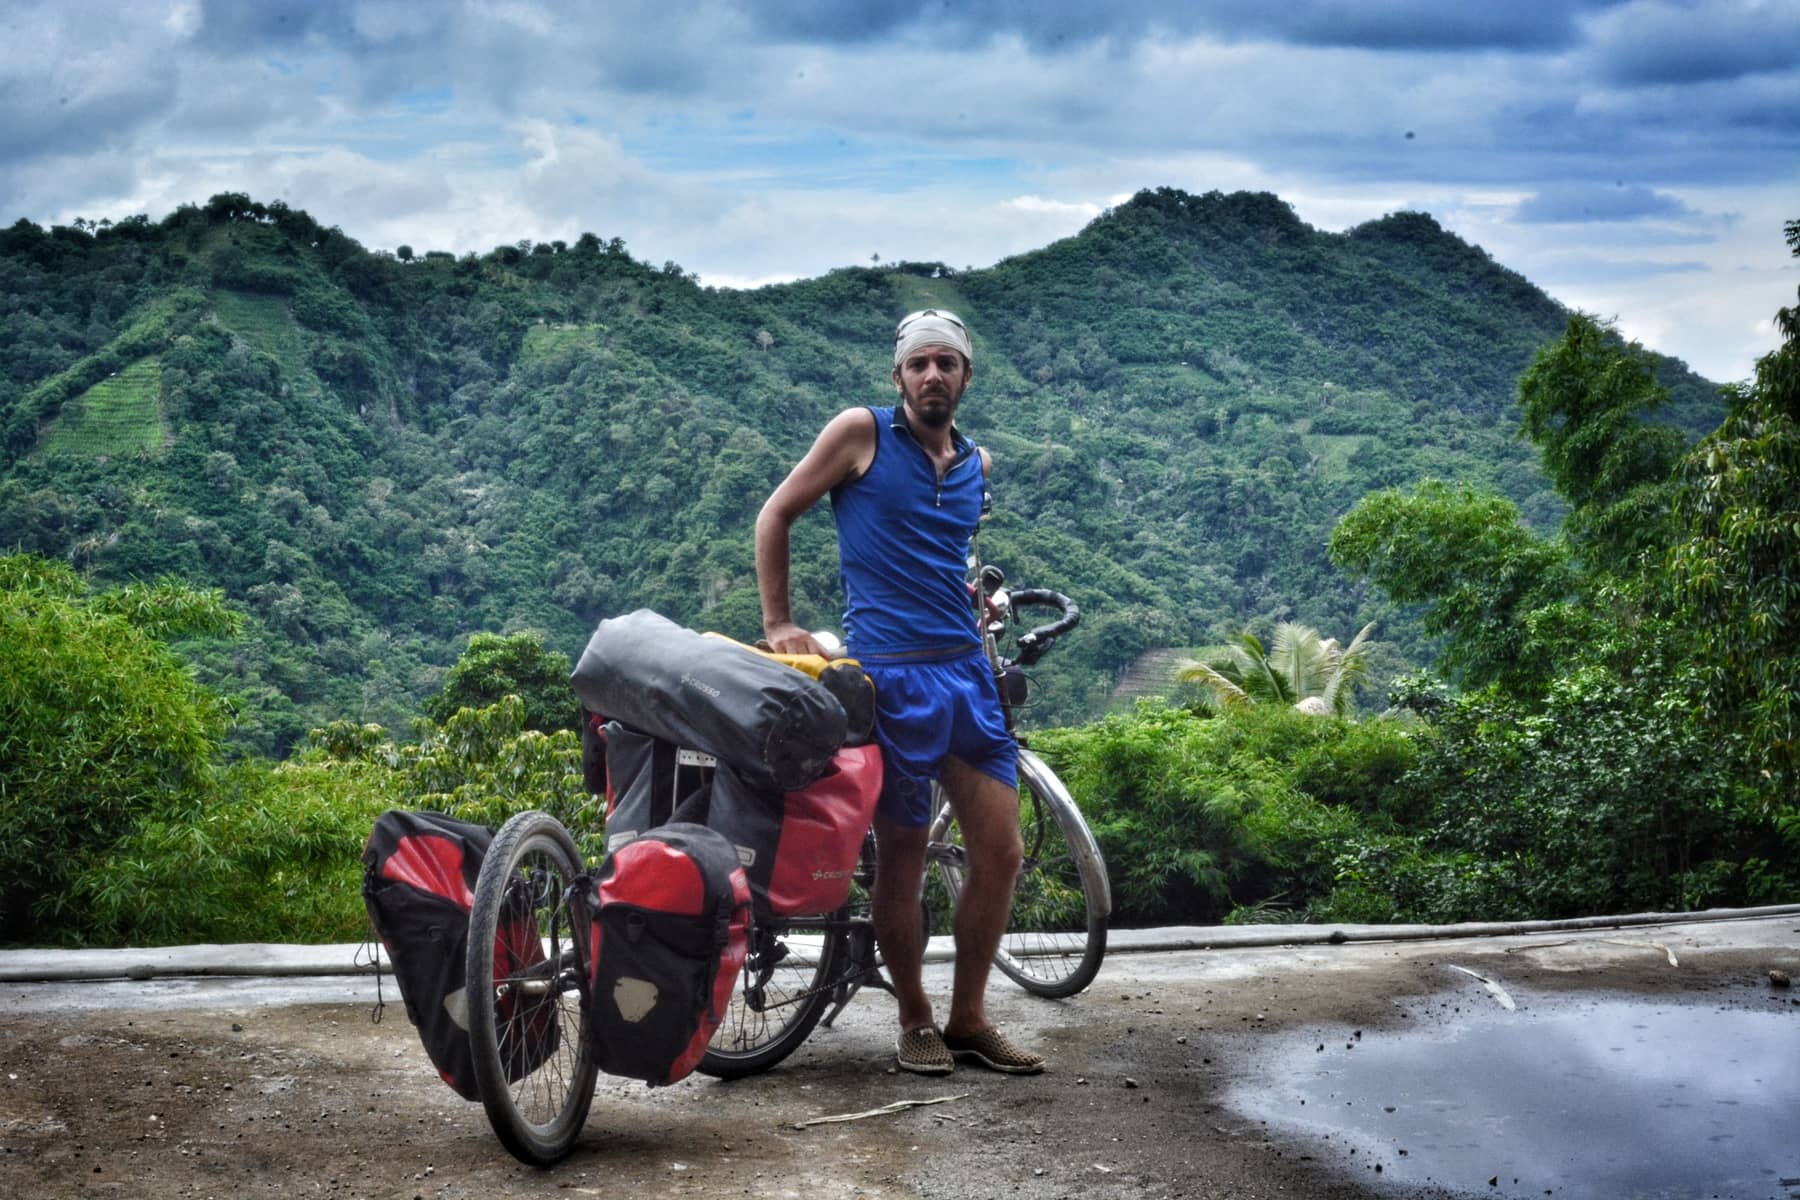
x,y
842,451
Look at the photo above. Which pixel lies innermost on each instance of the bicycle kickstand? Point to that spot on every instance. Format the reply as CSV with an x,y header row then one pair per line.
x,y
865,972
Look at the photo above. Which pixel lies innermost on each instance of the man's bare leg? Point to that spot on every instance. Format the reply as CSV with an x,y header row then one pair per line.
x,y
899,928
987,811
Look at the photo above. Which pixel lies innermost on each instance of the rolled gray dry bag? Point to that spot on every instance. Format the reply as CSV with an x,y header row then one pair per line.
x,y
773,724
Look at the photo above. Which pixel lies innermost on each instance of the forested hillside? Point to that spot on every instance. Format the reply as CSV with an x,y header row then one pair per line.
x,y
377,455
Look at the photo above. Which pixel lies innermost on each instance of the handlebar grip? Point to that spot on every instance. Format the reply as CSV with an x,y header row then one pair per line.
x,y
1045,598
1033,645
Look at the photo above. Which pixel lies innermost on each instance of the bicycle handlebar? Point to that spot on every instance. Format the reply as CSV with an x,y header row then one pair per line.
x,y
1035,644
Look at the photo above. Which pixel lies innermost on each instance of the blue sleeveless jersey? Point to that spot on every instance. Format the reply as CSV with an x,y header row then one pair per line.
x,y
903,545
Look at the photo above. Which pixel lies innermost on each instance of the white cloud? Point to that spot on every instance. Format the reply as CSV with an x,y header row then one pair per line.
x,y
570,172
182,19
745,282
1714,319
1085,210
752,144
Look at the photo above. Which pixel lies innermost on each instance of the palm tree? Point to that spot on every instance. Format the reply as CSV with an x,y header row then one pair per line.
x,y
1313,674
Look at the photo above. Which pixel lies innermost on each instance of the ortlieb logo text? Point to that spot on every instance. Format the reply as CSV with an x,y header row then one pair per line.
x,y
690,681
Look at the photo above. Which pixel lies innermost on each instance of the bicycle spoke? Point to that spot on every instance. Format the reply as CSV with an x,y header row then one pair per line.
x,y
785,980
527,1027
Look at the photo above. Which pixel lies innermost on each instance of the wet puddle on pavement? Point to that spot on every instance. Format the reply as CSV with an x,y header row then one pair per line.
x,y
1603,1099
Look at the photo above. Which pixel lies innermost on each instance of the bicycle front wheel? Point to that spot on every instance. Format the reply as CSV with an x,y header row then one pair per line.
x,y
533,1058
1056,935
780,996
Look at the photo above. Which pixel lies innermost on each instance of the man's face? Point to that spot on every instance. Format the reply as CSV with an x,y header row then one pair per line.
x,y
931,381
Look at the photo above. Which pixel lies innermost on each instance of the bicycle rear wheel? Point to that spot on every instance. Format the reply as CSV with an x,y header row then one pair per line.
x,y
1056,935
783,990
533,1058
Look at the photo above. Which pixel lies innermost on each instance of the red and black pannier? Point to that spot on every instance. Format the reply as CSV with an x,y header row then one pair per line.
x,y
668,925
799,848
419,874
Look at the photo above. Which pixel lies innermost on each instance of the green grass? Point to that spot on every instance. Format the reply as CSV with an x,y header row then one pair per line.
x,y
919,292
543,341
119,415
263,321
1333,450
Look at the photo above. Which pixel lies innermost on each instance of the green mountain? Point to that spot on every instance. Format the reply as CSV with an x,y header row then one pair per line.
x,y
376,455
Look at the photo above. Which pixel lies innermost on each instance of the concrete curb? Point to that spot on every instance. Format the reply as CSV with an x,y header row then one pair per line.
x,y
269,960
1224,937
259,959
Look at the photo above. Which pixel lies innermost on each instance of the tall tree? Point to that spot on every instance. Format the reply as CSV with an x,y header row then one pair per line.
x,y
1582,402
1493,589
1736,571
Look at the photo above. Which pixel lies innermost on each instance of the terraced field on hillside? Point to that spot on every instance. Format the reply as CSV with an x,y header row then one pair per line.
x,y
543,341
265,323
1152,675
119,415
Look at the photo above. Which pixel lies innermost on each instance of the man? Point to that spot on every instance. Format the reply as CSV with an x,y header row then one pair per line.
x,y
907,490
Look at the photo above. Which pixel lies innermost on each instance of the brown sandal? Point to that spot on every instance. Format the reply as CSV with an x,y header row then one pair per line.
x,y
991,1049
922,1051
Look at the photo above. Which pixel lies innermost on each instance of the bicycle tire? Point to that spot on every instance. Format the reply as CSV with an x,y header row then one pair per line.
x,y
783,990
537,1108
1056,934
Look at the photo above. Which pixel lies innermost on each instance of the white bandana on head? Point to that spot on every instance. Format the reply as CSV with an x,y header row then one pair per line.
x,y
931,327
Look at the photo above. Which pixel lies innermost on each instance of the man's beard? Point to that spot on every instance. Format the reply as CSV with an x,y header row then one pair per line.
x,y
933,418
939,415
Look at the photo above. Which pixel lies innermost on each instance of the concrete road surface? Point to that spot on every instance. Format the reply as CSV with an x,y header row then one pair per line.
x,y
276,1082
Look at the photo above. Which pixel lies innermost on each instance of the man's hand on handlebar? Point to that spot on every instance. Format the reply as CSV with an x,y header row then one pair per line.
x,y
788,638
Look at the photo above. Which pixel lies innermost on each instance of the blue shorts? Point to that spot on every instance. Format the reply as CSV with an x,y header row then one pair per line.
x,y
927,711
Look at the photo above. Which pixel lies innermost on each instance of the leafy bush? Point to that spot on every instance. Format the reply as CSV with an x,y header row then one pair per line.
x,y
1609,799
1200,816
481,764
274,853
495,666
100,723
275,856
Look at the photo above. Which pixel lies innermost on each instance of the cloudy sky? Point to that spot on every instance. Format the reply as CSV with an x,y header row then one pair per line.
x,y
1636,158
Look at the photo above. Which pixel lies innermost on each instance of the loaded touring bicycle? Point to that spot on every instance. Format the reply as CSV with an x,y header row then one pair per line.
x,y
731,914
